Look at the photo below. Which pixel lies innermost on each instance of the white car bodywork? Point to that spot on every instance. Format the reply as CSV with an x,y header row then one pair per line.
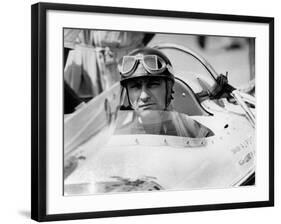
x,y
97,160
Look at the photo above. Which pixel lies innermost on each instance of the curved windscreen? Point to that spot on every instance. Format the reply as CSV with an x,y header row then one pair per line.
x,y
189,69
159,123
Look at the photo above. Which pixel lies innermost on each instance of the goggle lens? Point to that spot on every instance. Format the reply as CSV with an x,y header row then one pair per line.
x,y
151,61
128,64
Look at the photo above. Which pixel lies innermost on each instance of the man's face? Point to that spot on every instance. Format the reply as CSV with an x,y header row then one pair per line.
x,y
147,93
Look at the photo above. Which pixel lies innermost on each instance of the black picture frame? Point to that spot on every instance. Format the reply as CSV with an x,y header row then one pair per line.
x,y
39,110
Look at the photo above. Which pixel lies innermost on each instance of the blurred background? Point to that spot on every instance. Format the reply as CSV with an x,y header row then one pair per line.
x,y
91,58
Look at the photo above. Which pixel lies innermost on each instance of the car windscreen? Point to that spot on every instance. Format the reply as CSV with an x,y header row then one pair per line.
x,y
189,69
159,123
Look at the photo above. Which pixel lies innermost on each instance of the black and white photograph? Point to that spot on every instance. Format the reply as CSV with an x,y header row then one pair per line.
x,y
148,111
141,112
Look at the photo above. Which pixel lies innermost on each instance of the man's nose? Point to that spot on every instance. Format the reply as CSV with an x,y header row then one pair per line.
x,y
144,96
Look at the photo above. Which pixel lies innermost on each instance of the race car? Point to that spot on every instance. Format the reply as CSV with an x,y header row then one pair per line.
x,y
104,150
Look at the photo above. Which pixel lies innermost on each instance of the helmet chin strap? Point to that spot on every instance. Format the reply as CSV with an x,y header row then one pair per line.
x,y
129,101
166,98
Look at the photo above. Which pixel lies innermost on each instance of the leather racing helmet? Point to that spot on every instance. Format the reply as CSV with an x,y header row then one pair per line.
x,y
147,62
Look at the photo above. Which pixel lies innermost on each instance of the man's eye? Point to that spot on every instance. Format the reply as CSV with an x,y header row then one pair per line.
x,y
135,86
153,84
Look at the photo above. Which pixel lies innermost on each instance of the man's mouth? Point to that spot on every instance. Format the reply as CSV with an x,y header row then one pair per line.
x,y
146,106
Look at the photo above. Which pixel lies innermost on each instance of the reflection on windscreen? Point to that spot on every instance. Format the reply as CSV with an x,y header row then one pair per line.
x,y
160,123
189,69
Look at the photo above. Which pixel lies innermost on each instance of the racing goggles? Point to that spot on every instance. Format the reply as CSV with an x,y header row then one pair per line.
x,y
153,64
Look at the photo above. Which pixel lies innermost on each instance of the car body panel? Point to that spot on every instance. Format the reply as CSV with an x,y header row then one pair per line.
x,y
97,160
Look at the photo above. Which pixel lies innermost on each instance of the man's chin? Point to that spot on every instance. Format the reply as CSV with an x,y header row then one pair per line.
x,y
149,116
